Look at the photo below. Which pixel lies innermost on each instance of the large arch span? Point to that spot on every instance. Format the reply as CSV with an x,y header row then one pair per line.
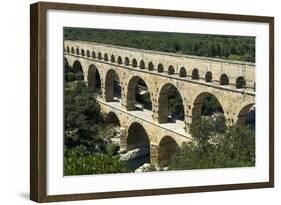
x,y
167,148
170,104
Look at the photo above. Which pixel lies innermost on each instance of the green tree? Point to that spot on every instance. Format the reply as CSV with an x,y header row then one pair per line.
x,y
81,111
211,105
175,103
216,147
234,57
80,161
193,44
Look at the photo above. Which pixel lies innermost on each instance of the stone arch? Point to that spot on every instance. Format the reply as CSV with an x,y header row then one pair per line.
x,y
142,64
112,58
67,49
131,99
112,93
119,60
105,57
224,80
137,136
134,63
150,66
199,105
78,69
93,54
208,77
72,50
245,116
77,51
168,92
182,72
171,70
240,82
195,74
94,81
167,148
112,118
127,61
65,63
67,68
82,52
99,55
88,53
160,68
137,139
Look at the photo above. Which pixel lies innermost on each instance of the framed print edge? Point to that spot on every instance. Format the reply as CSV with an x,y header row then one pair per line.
x,y
34,148
271,101
38,96
37,103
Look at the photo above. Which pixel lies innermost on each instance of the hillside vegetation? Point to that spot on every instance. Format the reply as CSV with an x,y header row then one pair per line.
x,y
239,48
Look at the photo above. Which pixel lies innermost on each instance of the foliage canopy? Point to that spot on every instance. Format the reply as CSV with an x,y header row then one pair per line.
x,y
216,145
239,48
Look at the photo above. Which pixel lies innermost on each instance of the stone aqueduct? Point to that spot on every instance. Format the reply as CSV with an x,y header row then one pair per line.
x,y
194,77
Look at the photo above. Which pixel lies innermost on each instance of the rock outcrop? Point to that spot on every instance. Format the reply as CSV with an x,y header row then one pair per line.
x,y
144,168
134,154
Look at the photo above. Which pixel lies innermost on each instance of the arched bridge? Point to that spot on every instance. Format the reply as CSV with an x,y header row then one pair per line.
x,y
231,82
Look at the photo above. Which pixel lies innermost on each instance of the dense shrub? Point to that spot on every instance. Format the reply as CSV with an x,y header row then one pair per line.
x,y
87,148
70,76
213,147
81,111
228,47
80,161
175,104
